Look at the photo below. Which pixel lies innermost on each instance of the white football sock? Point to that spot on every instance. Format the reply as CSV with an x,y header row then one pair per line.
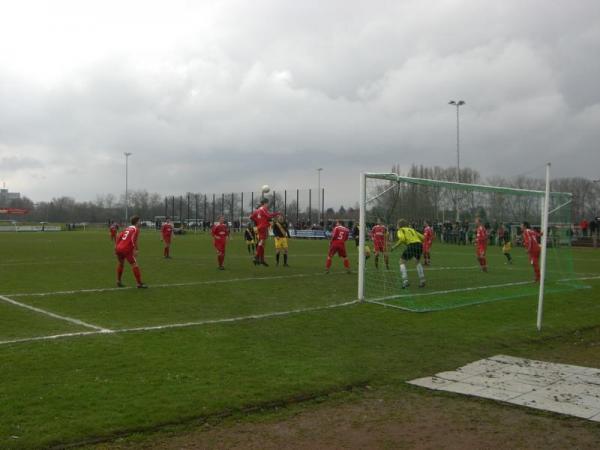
x,y
403,271
420,271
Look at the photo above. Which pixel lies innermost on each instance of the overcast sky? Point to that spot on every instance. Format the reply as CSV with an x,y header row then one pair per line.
x,y
215,96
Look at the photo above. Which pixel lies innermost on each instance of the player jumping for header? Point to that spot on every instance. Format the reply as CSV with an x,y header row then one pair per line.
x,y
262,217
414,249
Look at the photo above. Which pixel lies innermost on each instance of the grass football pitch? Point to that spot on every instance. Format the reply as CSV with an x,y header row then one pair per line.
x,y
83,361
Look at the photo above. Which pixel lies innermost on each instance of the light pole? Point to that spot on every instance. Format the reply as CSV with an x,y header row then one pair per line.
x,y
458,104
127,155
319,195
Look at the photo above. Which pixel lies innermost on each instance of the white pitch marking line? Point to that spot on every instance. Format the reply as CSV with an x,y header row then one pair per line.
x,y
56,316
474,288
183,325
166,285
450,291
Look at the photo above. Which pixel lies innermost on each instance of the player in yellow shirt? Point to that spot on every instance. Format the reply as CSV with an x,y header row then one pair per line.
x,y
414,249
506,248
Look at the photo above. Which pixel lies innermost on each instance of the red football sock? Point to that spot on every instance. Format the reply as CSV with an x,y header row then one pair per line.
x,y
221,258
138,274
328,263
346,264
119,272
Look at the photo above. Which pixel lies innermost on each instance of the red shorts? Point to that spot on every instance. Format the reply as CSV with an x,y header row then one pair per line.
x,y
263,233
167,239
129,256
534,256
481,249
219,246
379,247
426,247
339,248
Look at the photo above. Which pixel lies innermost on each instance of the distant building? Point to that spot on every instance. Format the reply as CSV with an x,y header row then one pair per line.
x,y
6,197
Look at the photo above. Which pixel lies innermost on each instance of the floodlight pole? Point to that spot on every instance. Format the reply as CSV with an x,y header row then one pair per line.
x,y
544,242
319,195
127,155
458,104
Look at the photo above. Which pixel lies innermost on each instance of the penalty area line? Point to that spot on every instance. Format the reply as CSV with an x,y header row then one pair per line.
x,y
183,325
53,315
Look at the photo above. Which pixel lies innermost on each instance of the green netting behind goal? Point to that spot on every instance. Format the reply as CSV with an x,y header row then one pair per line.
x,y
454,277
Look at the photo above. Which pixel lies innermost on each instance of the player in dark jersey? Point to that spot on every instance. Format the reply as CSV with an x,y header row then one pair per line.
x,y
281,233
250,238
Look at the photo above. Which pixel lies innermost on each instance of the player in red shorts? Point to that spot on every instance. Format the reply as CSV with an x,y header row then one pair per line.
x,y
220,233
114,228
166,232
531,244
339,236
428,236
379,236
126,249
481,241
262,217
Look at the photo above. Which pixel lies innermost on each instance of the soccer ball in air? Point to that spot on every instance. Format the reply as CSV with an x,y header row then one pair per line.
x,y
265,188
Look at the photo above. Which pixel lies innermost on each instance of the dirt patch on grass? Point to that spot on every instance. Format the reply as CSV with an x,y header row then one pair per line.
x,y
391,420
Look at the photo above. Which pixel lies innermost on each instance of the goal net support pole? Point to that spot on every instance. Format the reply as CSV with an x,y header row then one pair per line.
x,y
544,230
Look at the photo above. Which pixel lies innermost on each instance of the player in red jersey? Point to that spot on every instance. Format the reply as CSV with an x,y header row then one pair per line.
x,y
379,236
481,241
220,234
531,244
114,228
339,236
262,217
428,236
166,232
126,249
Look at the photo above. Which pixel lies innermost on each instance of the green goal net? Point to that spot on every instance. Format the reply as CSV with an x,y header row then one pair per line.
x,y
453,274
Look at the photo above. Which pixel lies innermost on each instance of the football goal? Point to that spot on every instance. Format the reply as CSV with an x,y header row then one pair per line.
x,y
457,222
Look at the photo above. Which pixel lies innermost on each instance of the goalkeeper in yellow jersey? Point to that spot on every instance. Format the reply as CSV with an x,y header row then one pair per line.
x,y
414,249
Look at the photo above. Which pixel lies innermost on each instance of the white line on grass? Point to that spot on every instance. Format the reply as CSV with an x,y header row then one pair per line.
x,y
183,325
378,300
56,316
166,285
450,291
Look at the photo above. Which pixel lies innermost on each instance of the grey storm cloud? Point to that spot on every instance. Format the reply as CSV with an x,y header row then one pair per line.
x,y
229,95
